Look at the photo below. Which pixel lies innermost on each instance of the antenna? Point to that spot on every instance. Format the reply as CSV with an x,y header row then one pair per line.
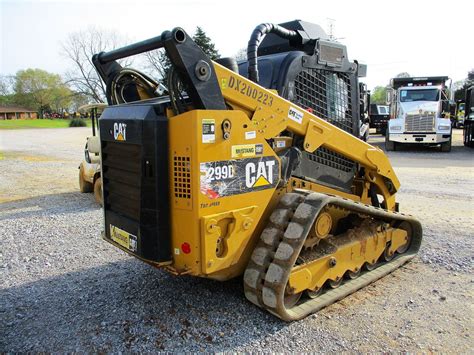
x,y
331,26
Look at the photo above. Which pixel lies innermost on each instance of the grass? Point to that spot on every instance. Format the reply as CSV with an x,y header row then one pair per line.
x,y
38,123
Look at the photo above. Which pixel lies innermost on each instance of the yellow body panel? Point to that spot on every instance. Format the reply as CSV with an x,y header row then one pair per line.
x,y
207,219
296,183
213,233
350,256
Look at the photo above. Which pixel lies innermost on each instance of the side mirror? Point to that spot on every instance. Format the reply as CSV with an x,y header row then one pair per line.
x,y
389,96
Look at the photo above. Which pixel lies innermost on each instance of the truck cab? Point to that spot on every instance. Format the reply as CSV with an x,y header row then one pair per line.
x,y
419,113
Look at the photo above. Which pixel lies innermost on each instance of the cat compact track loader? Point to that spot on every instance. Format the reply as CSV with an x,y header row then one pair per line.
x,y
251,169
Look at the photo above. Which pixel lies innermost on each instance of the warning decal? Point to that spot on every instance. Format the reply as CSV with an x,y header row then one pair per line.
x,y
208,130
233,177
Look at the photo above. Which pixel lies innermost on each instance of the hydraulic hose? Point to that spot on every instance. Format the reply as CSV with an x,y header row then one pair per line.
x,y
257,37
130,85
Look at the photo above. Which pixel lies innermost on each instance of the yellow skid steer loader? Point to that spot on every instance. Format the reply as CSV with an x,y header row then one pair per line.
x,y
252,169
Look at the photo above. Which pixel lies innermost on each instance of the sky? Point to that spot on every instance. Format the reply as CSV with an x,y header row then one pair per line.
x,y
415,36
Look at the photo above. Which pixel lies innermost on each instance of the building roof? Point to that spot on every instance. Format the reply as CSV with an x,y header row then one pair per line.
x,y
10,109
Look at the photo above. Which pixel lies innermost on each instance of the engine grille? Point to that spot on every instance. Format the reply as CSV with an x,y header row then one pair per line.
x,y
332,159
182,177
328,94
419,123
121,176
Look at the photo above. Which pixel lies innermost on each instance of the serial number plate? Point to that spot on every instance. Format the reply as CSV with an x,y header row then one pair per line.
x,y
123,238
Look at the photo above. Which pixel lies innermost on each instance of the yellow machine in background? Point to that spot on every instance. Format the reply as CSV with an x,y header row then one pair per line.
x,y
89,168
226,177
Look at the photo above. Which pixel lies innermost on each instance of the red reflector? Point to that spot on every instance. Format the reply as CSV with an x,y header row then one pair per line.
x,y
186,248
309,109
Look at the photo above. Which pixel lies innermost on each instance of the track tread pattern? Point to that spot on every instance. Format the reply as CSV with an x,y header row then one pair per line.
x,y
282,240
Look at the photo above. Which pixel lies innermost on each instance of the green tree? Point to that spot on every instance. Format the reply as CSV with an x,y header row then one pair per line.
x,y
6,90
378,95
460,93
159,63
77,100
61,98
203,41
403,75
37,89
7,100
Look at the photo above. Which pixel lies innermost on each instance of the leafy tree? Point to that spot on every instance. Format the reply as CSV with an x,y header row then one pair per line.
x,y
61,98
159,63
37,89
6,90
78,100
459,94
378,95
241,55
203,41
7,100
403,75
470,75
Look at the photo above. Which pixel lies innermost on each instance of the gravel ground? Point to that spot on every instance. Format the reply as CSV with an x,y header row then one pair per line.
x,y
64,289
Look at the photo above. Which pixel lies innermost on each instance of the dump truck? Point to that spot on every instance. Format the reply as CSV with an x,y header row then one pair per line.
x,y
364,104
251,169
379,116
468,127
419,112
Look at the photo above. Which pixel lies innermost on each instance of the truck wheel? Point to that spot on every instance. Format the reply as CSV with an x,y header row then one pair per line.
x,y
389,145
98,191
446,147
84,185
366,136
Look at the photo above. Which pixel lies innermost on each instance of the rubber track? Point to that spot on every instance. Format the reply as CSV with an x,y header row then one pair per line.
x,y
282,240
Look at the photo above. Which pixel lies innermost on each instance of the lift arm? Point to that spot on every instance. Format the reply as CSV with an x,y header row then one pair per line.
x,y
271,115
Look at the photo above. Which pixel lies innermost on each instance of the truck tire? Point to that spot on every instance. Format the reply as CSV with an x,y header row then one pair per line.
x,y
84,186
98,191
468,134
365,138
446,147
389,145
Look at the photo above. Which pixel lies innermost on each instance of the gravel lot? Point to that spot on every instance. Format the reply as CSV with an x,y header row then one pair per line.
x,y
64,289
